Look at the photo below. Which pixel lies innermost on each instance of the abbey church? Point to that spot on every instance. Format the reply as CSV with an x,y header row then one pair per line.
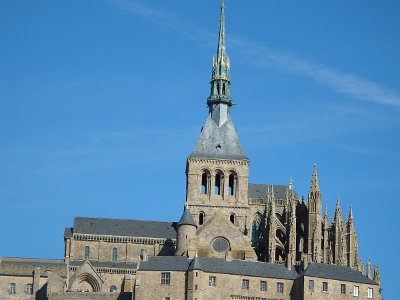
x,y
235,240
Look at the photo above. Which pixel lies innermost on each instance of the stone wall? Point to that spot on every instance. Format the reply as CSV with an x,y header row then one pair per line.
x,y
230,286
148,286
334,290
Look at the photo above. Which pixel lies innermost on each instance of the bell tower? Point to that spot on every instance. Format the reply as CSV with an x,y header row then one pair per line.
x,y
217,169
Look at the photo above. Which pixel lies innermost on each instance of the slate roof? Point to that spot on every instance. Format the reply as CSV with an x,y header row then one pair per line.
x,y
218,141
165,263
260,190
67,232
242,267
26,266
131,228
187,218
337,273
110,265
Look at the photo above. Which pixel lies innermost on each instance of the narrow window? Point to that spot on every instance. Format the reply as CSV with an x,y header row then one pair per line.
x,y
370,293
231,186
165,278
279,287
212,281
343,289
217,185
311,285
263,286
204,184
113,289
245,284
13,288
87,252
114,254
167,298
201,218
356,291
325,286
232,218
29,289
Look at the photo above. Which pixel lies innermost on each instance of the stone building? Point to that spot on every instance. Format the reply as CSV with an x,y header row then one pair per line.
x,y
235,240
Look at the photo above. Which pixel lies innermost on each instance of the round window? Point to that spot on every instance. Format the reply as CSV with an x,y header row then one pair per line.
x,y
220,245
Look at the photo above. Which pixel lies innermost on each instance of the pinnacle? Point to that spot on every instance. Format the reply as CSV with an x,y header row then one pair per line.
x,y
351,213
314,182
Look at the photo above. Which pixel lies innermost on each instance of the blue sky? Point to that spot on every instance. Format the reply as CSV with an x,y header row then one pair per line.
x,y
102,101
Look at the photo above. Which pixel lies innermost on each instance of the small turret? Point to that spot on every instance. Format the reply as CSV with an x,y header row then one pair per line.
x,y
186,230
377,274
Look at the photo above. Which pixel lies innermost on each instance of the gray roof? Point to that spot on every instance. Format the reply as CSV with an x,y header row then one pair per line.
x,y
242,267
260,190
337,273
105,264
26,266
67,232
187,218
131,228
165,263
218,141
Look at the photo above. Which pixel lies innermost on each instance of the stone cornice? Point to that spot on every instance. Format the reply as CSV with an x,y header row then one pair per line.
x,y
122,239
220,161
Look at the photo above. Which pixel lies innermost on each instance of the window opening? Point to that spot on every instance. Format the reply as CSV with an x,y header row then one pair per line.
x,y
245,284
165,278
204,184
311,285
201,218
263,286
217,186
343,289
113,289
212,281
87,252
29,288
13,288
232,218
279,287
231,185
324,286
114,254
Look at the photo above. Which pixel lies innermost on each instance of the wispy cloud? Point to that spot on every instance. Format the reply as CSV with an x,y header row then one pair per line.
x,y
344,83
349,84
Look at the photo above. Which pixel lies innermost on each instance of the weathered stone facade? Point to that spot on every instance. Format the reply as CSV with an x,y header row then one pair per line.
x,y
235,240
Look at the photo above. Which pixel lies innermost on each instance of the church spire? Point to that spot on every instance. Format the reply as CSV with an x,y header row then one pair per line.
x,y
220,99
314,182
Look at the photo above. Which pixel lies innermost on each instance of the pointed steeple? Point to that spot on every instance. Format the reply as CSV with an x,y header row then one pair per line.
x,y
220,93
326,217
377,275
338,210
314,181
218,137
351,218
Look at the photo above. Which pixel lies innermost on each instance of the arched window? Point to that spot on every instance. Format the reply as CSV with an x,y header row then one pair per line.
x,y
205,178
232,218
114,254
87,252
113,289
232,184
201,218
219,177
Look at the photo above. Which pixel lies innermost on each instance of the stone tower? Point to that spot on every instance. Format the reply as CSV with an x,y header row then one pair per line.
x,y
217,169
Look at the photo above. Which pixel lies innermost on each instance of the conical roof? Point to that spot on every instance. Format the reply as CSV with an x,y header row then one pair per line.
x,y
186,218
